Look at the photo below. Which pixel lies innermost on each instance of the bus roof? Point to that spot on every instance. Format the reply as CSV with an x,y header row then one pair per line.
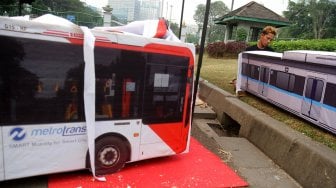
x,y
309,56
47,26
264,53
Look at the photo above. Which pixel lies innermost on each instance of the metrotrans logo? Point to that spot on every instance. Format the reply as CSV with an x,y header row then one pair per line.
x,y
63,131
17,133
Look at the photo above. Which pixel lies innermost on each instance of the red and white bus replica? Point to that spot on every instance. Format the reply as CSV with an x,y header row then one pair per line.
x,y
124,98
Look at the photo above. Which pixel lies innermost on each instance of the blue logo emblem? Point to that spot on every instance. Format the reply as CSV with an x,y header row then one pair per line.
x,y
17,134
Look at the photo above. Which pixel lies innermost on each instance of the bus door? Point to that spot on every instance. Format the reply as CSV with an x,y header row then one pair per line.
x,y
2,167
163,109
312,97
264,77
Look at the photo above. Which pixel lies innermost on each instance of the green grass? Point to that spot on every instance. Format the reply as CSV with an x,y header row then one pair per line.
x,y
221,71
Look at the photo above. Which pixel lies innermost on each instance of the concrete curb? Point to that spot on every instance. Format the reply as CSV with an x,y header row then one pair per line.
x,y
310,163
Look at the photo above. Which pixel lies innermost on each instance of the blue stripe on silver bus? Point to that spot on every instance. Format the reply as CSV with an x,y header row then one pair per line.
x,y
331,108
275,88
286,92
316,103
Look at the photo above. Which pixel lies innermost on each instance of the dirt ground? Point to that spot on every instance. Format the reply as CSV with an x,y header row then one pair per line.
x,y
210,143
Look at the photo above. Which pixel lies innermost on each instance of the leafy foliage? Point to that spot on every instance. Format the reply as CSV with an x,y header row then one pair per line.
x,y
214,32
174,27
311,19
192,38
83,15
241,34
315,44
59,5
8,6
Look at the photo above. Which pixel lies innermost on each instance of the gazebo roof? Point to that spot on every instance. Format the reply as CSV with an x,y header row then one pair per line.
x,y
253,12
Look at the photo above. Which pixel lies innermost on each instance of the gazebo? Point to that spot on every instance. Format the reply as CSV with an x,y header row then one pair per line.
x,y
252,17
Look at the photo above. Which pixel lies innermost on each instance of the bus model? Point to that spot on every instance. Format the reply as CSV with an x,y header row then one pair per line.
x,y
142,98
301,82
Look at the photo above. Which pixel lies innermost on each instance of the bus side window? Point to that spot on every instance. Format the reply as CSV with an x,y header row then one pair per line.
x,y
330,97
298,85
127,97
107,105
71,112
108,96
286,81
104,98
255,72
164,93
273,76
314,88
245,69
33,82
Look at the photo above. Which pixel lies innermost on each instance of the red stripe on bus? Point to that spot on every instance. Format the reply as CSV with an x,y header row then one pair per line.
x,y
151,47
168,133
56,34
76,41
156,48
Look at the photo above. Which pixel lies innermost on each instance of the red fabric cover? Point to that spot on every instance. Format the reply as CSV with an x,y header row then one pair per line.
x,y
198,168
161,29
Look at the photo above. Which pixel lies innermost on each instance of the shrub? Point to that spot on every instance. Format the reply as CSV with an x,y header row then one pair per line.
x,y
235,47
216,49
241,34
220,49
315,44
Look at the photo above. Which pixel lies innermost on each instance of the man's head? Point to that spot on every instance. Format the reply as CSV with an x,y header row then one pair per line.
x,y
266,37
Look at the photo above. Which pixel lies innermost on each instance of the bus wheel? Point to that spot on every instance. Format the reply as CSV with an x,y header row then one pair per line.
x,y
111,155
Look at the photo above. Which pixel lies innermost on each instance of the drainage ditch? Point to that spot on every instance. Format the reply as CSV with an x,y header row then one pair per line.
x,y
230,128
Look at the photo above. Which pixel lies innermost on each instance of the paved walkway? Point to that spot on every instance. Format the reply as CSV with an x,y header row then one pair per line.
x,y
241,155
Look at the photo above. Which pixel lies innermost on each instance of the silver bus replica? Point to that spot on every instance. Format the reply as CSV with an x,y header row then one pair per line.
x,y
302,82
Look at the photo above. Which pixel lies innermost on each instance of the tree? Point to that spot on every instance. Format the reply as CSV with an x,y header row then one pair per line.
x,y
311,19
83,15
174,27
320,12
301,23
331,29
217,9
59,5
13,7
8,7
192,38
9,2
199,16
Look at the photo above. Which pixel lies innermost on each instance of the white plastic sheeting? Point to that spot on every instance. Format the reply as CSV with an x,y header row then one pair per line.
x,y
146,28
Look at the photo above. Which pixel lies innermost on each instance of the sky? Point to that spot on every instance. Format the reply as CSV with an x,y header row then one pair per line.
x,y
173,11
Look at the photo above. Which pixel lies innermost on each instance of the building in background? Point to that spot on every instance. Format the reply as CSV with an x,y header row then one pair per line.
x,y
150,9
252,18
125,10
131,10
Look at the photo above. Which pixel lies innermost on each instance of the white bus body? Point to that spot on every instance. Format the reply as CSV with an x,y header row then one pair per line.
x,y
143,93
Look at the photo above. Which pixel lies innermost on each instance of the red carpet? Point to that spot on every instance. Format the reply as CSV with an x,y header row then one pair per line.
x,y
198,168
